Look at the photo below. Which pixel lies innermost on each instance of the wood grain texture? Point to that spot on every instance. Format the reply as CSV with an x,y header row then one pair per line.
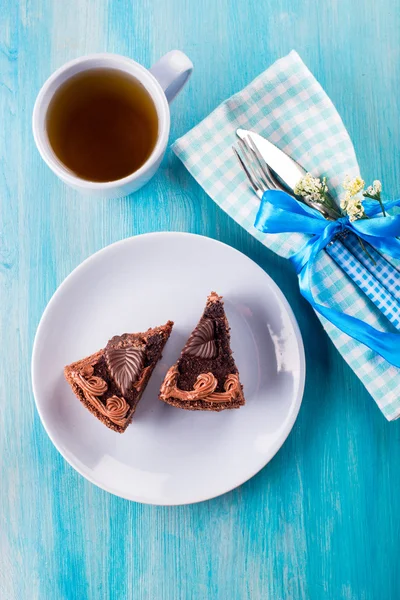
x,y
321,521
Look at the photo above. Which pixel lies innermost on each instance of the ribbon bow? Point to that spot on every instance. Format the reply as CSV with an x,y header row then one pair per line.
x,y
281,213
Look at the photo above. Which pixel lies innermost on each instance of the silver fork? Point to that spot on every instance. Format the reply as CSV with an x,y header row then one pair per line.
x,y
261,179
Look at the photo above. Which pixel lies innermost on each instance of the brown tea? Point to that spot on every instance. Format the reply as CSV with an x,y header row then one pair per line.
x,y
102,124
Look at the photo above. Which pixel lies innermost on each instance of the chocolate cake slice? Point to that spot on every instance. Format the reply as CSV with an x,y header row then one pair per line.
x,y
111,382
205,376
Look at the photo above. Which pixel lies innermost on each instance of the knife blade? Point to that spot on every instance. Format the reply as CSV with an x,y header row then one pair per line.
x,y
288,170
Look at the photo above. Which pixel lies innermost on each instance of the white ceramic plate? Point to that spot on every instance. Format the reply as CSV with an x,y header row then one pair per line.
x,y
167,455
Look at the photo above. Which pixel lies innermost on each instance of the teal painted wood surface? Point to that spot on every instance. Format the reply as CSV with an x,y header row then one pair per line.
x,y
321,521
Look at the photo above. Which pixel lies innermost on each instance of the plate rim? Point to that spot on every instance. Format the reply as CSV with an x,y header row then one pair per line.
x,y
296,406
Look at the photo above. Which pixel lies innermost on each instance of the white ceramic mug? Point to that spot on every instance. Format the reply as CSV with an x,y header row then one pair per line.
x,y
163,82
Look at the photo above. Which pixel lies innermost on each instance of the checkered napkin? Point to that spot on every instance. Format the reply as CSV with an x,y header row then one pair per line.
x,y
287,105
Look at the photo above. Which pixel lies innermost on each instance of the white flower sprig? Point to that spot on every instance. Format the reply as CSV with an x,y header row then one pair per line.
x,y
374,192
315,191
311,188
352,201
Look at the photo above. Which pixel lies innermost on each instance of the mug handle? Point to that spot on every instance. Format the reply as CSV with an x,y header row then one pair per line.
x,y
172,72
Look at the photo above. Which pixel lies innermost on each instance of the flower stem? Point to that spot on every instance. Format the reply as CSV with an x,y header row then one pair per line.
x,y
365,250
378,199
382,207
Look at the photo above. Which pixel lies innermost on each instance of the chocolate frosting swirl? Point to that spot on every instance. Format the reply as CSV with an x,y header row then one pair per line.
x,y
204,385
169,388
116,407
203,389
232,388
94,385
201,343
125,366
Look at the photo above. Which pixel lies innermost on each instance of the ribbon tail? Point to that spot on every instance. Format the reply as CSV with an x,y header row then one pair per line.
x,y
373,207
385,344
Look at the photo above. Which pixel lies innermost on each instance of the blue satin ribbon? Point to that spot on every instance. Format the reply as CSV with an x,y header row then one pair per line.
x,y
281,213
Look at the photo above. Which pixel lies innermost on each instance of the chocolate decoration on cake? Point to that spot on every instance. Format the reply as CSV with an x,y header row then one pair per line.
x,y
111,382
205,377
117,407
201,342
203,388
125,365
93,388
94,385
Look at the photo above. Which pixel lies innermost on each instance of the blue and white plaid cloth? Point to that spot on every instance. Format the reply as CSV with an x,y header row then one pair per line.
x,y
289,107
362,276
388,275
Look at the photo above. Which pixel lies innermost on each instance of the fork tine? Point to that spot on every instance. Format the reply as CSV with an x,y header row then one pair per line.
x,y
249,162
247,149
275,183
245,169
278,185
261,164
251,165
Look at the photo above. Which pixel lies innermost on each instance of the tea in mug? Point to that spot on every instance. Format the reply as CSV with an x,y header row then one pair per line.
x,y
102,124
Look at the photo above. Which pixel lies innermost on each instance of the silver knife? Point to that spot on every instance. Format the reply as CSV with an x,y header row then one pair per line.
x,y
288,170
285,169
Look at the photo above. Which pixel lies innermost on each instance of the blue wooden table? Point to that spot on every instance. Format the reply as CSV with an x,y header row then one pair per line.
x,y
322,520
